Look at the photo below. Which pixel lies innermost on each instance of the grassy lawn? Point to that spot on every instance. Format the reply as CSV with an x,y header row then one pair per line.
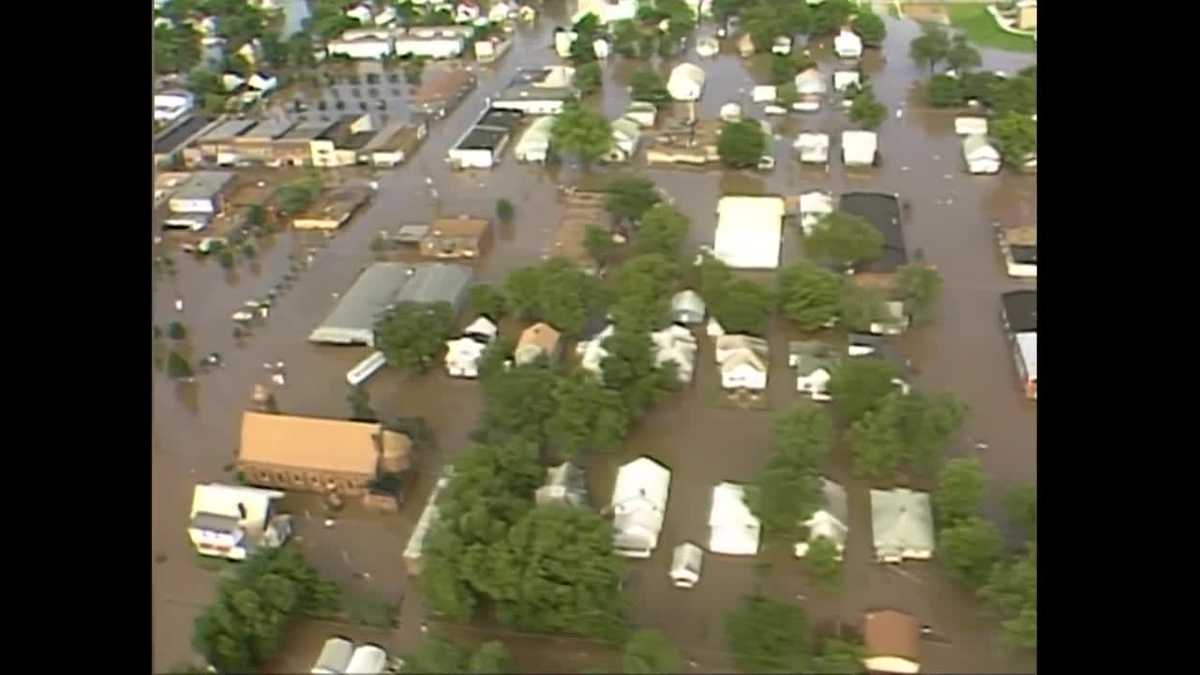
x,y
982,30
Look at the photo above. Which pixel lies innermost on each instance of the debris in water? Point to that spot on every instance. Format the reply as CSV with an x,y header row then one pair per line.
x,y
904,168
899,113
937,156
948,176
329,522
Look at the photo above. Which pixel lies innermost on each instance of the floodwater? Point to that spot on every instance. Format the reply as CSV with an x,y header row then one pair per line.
x,y
196,426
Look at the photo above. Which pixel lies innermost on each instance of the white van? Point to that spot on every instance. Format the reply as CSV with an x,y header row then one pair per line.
x,y
364,370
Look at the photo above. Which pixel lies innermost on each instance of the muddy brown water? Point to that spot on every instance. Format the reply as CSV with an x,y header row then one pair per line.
x,y
196,426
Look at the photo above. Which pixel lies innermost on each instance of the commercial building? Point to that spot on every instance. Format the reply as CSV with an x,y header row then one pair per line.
x,y
483,144
461,237
539,91
882,210
204,193
333,209
749,232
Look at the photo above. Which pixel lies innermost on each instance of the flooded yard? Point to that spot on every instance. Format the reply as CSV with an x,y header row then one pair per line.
x,y
963,350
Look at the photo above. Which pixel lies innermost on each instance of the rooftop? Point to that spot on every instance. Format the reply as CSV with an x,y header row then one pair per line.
x,y
310,443
462,226
483,139
229,129
307,131
1020,309
503,119
442,85
270,129
337,204
383,285
204,185
175,137
883,211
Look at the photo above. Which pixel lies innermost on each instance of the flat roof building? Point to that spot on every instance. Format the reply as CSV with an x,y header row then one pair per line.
x,y
883,211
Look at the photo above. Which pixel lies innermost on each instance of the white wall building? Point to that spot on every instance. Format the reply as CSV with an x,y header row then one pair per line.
x,y
434,47
676,344
639,505
744,362
813,147
971,126
733,529
607,11
749,232
171,105
831,521
859,148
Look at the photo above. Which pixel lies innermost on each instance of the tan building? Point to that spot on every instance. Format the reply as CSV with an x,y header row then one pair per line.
x,y
891,642
461,237
333,209
537,340
1027,15
317,455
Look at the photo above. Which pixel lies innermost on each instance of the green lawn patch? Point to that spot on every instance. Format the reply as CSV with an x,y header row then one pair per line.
x,y
982,30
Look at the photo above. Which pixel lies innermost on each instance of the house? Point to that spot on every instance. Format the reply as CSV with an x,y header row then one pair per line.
x,y
491,49
361,13
891,642
863,344
414,561
464,353
981,156
173,141
537,341
687,307
642,112
171,105
814,205
625,135
333,209
813,147
592,352
563,41
565,485
341,144
534,145
385,17
782,45
356,43
901,525
601,48
460,237
386,284
430,42
1019,247
707,47
686,82
859,148
895,321
539,91
483,144
639,505
686,563
743,360
1018,311
810,89
763,93
847,45
843,80
335,656
814,363
1027,15
312,454
831,521
730,112
676,344
263,83
467,11
368,659
882,210
204,192
1025,353
232,521
733,529
394,143
745,45
607,11
749,232
971,126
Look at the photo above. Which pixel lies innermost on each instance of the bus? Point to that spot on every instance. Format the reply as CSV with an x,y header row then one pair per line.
x,y
364,370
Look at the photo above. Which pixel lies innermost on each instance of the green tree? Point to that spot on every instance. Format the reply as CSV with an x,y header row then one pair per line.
x,y
518,402
765,636
1011,596
859,385
177,367
187,669
786,94
959,492
866,111
360,405
505,211
649,652
905,431
969,549
830,16
823,564
630,369
599,244
648,85
557,292
225,258
329,20
176,331
1012,95
412,334
437,655
931,47
838,656
844,239
176,49
1020,504
642,287
556,571
489,301
870,27
808,294
1016,137
491,659
743,306
588,78
626,38
919,287
859,306
300,49
788,489
741,144
414,70
298,195
663,230
712,278
588,30
944,91
629,197
961,55
587,415
783,69
582,132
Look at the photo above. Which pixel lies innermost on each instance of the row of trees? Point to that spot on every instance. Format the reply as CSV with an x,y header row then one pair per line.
x,y
767,636
764,20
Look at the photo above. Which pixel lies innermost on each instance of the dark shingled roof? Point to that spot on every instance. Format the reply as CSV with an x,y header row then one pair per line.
x,y
1020,311
883,211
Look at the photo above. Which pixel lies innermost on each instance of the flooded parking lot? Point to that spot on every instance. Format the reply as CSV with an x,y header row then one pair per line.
x,y
196,426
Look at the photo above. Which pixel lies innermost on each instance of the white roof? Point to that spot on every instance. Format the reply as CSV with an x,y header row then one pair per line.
x,y
481,326
676,344
593,352
231,81
463,349
686,82
844,78
728,345
901,520
335,656
1027,345
749,232
763,92
847,43
860,146
640,500
966,126
977,147
735,531
536,137
816,201
262,83
810,82
223,500
367,660
731,112
687,562
811,140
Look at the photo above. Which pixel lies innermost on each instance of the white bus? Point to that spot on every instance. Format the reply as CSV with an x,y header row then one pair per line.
x,y
368,367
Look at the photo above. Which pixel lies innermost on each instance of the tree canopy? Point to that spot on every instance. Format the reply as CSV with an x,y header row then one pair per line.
x,y
629,368
648,85
642,286
859,306
919,286
743,306
629,196
587,415
808,294
838,656
663,230
905,431
961,55
649,652
557,292
412,334
1012,94
176,49
598,241
866,111
844,239
582,132
959,491
588,78
831,15
178,367
931,47
298,195
944,91
1016,137
488,301
439,655
858,385
969,549
870,27
1010,594
1020,504
765,636
517,401
741,144
788,488
823,564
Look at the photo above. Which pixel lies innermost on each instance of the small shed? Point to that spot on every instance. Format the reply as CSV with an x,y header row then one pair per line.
x,y
707,47
540,339
745,45
334,656
814,205
895,321
813,147
642,112
782,45
863,344
687,307
980,155
901,525
686,564
891,642
831,521
764,93
859,148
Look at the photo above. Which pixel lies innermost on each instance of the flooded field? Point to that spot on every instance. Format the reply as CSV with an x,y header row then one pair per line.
x,y
196,426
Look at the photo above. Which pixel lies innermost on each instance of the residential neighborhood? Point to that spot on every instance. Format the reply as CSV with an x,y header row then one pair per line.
x,y
573,336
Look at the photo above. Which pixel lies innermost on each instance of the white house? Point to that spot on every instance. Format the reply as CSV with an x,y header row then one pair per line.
x,y
1019,246
361,13
686,82
565,485
971,126
607,11
733,529
232,81
782,45
814,205
743,360
642,112
534,145
231,521
687,307
363,44
980,156
171,105
676,344
368,659
831,521
334,657
464,353
813,147
847,45
843,80
749,232
385,17
639,505
811,89
859,148
901,525
625,135
891,642
895,322
466,12
763,93
592,352
686,564
814,363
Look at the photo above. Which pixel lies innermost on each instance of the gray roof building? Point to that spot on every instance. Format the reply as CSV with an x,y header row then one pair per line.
x,y
384,285
203,185
229,129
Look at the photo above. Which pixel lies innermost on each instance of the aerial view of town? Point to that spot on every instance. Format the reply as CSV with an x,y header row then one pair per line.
x,y
594,336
